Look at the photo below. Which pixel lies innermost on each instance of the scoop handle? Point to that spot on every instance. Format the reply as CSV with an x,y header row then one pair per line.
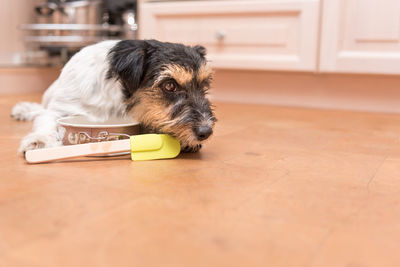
x,y
73,151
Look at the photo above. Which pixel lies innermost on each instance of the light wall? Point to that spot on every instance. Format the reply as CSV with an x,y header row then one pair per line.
x,y
26,80
12,14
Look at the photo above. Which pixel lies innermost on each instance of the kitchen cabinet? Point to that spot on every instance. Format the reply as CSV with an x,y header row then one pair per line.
x,y
266,35
344,36
360,36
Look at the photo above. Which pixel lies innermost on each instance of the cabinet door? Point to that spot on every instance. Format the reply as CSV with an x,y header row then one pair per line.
x,y
269,35
361,36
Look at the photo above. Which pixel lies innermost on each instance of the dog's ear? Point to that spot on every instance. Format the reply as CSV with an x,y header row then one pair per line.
x,y
127,63
201,50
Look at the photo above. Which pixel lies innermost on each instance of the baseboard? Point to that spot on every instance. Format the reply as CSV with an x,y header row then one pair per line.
x,y
376,93
20,80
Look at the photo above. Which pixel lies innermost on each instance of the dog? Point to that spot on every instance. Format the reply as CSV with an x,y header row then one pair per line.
x,y
161,85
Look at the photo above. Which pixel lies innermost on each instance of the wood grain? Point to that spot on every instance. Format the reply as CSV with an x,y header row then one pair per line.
x,y
273,187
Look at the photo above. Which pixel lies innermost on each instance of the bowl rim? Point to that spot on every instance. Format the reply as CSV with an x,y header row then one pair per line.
x,y
64,122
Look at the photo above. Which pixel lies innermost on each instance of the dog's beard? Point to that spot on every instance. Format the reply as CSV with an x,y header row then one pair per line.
x,y
157,121
183,133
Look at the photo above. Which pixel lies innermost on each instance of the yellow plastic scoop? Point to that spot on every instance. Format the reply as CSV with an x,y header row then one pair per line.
x,y
142,147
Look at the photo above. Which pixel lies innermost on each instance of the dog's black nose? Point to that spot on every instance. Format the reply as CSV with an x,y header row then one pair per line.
x,y
203,132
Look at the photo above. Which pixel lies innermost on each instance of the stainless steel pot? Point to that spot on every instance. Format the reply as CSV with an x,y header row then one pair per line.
x,y
80,12
75,12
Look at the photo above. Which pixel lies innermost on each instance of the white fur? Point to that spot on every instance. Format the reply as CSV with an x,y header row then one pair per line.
x,y
81,89
26,111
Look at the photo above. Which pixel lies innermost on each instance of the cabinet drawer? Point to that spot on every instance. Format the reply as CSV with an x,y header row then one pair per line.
x,y
276,35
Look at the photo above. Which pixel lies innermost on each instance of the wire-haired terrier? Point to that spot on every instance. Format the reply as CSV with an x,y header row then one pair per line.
x,y
162,85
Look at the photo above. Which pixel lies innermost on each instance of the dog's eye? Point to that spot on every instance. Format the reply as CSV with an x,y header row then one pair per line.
x,y
170,86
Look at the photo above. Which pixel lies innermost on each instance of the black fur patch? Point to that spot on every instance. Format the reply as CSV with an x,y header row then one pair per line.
x,y
126,61
136,63
201,50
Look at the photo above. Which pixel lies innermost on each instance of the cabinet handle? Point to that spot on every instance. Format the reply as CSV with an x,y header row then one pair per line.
x,y
220,35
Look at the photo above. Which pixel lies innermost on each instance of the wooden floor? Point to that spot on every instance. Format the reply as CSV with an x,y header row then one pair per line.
x,y
274,187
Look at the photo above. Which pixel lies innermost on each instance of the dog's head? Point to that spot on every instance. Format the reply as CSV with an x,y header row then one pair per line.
x,y
165,86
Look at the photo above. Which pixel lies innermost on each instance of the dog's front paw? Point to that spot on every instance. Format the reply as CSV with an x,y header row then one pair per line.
x,y
191,149
26,111
39,140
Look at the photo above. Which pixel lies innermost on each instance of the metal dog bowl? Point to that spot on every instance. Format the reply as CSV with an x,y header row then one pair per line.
x,y
79,130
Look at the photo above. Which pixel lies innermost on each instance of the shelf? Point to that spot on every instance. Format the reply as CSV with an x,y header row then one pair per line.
x,y
72,41
71,27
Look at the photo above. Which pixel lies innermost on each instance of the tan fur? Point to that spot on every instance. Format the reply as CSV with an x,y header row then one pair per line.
x,y
150,110
179,73
204,72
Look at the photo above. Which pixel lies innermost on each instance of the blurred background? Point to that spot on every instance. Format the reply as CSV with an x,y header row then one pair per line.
x,y
49,32
312,53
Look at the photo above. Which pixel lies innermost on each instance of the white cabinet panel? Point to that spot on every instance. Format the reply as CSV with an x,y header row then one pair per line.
x,y
275,35
361,36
